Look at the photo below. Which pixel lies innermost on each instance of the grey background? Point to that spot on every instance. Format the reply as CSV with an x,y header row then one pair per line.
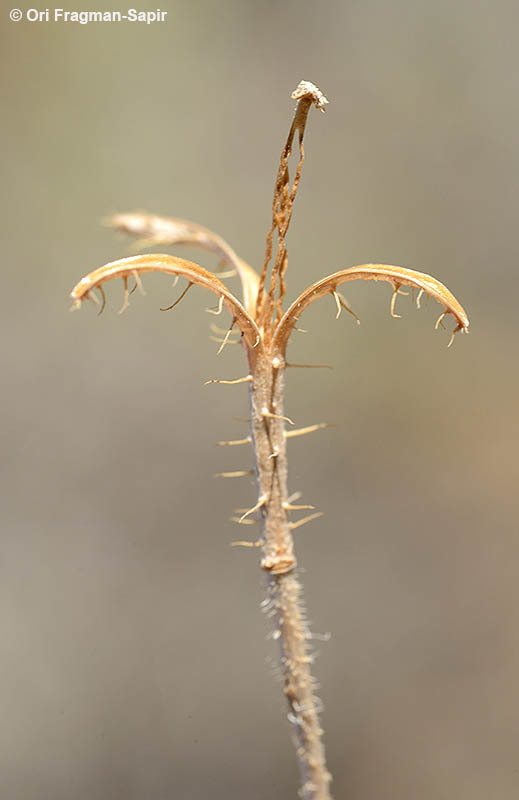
x,y
133,654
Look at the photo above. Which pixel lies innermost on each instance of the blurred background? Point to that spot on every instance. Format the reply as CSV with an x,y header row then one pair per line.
x,y
135,663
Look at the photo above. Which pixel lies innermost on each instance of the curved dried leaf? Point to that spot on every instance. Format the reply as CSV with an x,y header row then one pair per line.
x,y
137,265
154,230
397,276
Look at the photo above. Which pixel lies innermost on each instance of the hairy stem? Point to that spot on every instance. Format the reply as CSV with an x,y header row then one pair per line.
x,y
285,604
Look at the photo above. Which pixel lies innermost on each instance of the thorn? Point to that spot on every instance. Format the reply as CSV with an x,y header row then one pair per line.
x,y
168,308
103,298
215,329
233,442
439,321
92,298
341,303
319,637
266,413
76,305
456,330
290,507
138,282
275,453
420,293
175,281
226,338
244,522
309,429
346,307
300,330
300,522
219,308
261,502
246,379
239,474
310,366
126,301
258,543
337,300
294,496
219,340
393,301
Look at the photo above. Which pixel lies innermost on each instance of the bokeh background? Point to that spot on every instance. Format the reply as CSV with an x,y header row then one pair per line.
x,y
135,663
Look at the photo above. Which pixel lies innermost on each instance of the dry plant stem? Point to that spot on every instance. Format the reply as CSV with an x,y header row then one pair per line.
x,y
265,333
307,95
284,590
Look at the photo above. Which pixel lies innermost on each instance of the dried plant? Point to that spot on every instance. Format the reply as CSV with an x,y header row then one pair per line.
x,y
265,330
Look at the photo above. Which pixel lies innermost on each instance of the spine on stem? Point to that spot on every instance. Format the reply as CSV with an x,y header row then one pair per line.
x,y
284,603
